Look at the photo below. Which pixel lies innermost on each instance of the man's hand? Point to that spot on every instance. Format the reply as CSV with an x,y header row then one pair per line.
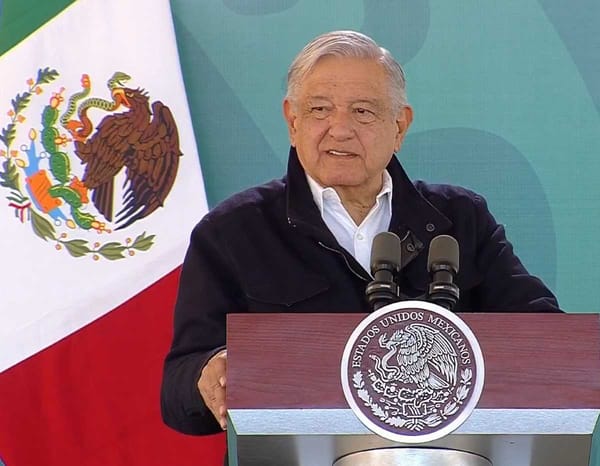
x,y
211,386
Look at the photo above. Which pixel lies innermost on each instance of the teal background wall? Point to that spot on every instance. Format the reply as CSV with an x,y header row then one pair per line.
x,y
506,98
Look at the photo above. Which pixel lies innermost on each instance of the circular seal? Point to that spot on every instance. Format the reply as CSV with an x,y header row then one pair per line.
x,y
412,371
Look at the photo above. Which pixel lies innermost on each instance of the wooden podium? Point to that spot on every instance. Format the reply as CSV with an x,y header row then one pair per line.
x,y
540,404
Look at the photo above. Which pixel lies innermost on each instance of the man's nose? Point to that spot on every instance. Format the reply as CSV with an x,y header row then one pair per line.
x,y
341,125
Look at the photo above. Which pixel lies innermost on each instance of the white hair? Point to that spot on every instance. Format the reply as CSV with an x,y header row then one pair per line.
x,y
349,44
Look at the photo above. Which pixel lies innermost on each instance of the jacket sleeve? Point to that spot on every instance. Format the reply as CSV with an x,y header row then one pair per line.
x,y
507,285
207,292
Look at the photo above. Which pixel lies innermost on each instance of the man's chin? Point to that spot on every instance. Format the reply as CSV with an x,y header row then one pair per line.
x,y
344,182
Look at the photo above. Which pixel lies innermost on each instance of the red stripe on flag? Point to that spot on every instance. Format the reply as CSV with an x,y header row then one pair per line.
x,y
93,398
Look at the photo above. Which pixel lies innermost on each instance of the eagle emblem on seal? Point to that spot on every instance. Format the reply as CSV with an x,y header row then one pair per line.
x,y
417,354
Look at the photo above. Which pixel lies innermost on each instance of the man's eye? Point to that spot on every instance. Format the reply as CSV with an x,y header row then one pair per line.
x,y
364,115
319,111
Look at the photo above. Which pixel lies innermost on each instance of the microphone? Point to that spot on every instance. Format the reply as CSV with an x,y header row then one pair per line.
x,y
442,264
385,264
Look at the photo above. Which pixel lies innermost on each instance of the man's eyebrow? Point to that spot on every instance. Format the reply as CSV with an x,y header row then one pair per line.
x,y
376,102
318,97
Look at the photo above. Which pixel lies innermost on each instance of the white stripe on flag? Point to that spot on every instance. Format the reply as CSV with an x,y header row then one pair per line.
x,y
45,292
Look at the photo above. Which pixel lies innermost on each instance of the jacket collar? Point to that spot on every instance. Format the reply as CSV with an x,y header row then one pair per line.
x,y
414,218
302,212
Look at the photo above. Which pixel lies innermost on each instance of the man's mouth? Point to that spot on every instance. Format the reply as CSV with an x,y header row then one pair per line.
x,y
340,153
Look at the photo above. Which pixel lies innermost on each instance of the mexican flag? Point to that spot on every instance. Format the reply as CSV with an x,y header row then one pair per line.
x,y
100,187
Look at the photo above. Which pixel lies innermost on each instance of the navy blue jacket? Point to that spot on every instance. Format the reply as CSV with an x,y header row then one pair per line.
x,y
267,249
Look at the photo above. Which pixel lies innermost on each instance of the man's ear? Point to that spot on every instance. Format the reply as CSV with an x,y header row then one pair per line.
x,y
403,121
290,118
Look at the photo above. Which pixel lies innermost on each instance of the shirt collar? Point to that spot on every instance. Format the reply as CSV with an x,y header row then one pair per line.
x,y
322,195
411,210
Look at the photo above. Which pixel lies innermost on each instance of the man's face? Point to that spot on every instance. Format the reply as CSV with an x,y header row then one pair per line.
x,y
342,123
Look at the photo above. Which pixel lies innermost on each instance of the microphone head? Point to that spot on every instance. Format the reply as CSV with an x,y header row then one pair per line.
x,y
386,250
443,250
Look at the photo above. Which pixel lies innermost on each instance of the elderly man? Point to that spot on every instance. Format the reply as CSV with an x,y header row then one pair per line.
x,y
302,243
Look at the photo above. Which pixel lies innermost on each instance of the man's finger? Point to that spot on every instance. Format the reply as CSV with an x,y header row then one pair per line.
x,y
211,386
214,397
219,408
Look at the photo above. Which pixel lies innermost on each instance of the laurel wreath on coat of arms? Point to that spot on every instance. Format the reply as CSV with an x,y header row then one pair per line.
x,y
62,207
432,420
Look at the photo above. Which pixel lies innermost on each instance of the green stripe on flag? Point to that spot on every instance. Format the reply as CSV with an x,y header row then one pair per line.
x,y
19,18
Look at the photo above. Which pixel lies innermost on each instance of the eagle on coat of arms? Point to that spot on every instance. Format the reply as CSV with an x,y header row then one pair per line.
x,y
142,140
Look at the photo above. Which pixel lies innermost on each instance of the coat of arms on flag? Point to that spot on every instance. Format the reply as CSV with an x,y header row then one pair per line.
x,y
123,136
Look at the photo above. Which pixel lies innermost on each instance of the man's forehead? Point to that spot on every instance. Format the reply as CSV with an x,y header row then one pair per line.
x,y
334,72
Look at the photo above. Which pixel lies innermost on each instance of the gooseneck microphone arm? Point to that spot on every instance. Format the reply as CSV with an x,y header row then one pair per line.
x,y
385,265
442,264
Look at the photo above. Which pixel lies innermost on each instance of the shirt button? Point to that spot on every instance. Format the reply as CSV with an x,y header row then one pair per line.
x,y
430,227
360,237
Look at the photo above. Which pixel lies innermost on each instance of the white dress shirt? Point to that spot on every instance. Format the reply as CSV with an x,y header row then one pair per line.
x,y
356,239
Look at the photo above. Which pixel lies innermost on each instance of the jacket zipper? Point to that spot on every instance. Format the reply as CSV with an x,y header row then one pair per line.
x,y
337,251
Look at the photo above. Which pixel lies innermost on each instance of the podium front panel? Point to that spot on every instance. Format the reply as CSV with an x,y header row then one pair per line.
x,y
539,407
